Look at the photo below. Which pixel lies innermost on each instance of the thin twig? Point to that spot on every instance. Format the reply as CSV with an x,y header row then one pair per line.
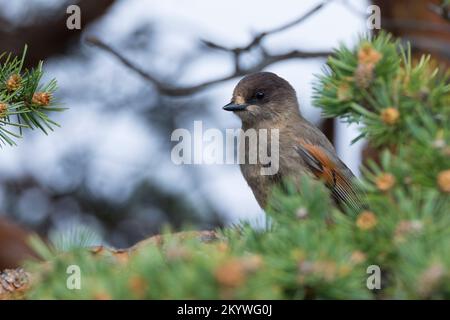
x,y
175,91
266,58
256,40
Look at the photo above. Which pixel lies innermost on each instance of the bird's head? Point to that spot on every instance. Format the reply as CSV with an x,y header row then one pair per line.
x,y
263,96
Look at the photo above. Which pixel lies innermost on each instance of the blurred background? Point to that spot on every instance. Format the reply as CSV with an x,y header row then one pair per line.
x,y
108,167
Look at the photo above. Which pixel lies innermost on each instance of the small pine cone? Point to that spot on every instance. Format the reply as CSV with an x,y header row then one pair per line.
x,y
41,99
358,257
364,75
13,83
443,180
13,282
138,285
385,181
368,55
3,109
390,116
366,220
231,274
344,92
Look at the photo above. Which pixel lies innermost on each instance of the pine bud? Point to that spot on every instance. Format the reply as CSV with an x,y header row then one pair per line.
x,y
368,55
366,220
14,82
41,99
3,109
138,286
364,75
344,92
390,116
443,180
358,257
230,274
385,181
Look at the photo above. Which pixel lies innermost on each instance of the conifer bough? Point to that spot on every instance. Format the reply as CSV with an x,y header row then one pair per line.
x,y
312,250
25,103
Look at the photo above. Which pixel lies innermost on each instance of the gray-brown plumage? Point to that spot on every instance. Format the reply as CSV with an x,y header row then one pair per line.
x,y
265,101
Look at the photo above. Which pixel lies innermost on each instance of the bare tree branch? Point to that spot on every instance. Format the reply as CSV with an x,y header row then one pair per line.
x,y
175,91
265,60
257,39
239,70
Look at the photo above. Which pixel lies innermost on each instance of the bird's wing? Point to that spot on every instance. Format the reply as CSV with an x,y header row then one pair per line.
x,y
336,175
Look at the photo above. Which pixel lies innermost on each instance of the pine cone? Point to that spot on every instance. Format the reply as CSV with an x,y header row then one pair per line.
x,y
13,282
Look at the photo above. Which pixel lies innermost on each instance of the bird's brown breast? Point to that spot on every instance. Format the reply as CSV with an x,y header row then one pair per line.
x,y
289,165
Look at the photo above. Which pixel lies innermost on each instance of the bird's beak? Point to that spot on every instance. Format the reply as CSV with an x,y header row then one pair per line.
x,y
235,107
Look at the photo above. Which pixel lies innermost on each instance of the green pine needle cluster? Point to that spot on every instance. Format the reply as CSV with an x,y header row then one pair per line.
x,y
381,86
24,101
311,250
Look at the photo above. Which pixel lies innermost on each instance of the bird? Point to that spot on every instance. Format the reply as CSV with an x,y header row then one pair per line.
x,y
263,100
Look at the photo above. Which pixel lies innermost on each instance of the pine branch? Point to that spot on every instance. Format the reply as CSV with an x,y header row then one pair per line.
x,y
25,103
310,250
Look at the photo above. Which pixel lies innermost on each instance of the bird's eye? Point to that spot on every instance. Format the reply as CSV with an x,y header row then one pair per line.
x,y
259,95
